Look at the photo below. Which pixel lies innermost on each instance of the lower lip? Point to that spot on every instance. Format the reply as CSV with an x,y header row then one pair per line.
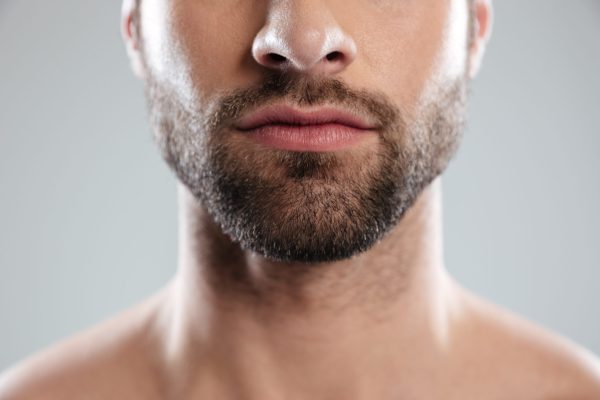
x,y
325,137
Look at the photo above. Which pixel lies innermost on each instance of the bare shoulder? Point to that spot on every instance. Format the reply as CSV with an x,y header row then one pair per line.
x,y
538,363
94,364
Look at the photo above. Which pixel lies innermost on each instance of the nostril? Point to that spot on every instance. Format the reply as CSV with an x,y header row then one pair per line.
x,y
334,56
276,58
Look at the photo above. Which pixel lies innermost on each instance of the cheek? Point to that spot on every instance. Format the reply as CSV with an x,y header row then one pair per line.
x,y
214,41
453,57
196,47
165,55
155,34
415,48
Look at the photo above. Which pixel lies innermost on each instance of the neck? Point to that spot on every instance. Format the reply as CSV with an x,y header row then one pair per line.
x,y
339,325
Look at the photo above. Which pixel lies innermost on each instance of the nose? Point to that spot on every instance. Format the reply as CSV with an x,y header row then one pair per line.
x,y
305,37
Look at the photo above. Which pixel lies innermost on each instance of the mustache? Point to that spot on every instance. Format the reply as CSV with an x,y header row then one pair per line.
x,y
305,91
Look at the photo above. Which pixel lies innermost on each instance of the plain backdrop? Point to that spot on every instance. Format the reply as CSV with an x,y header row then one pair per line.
x,y
88,209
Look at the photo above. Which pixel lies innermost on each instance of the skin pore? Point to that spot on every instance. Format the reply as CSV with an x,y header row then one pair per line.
x,y
309,275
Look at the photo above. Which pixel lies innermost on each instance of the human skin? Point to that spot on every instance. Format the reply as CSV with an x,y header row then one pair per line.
x,y
389,323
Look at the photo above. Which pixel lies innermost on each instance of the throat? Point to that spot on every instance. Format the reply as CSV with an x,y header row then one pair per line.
x,y
327,322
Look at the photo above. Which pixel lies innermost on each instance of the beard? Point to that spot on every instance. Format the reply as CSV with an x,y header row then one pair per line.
x,y
306,206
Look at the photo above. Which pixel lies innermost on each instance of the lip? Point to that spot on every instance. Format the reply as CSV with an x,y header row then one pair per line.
x,y
317,129
287,115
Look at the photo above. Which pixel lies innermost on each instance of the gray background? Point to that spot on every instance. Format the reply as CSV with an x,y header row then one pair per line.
x,y
88,210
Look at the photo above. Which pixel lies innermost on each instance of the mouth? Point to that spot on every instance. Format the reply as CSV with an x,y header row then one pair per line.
x,y
317,129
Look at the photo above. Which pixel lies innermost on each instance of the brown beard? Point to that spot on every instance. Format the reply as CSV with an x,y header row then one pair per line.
x,y
306,206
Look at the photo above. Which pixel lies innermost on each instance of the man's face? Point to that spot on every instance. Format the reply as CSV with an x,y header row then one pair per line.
x,y
379,88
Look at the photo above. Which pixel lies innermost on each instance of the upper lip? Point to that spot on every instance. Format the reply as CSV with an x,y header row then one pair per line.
x,y
282,114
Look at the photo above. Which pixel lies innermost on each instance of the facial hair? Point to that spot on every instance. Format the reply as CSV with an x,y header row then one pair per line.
x,y
306,207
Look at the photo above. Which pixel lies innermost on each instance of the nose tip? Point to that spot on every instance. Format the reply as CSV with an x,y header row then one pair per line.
x,y
317,50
